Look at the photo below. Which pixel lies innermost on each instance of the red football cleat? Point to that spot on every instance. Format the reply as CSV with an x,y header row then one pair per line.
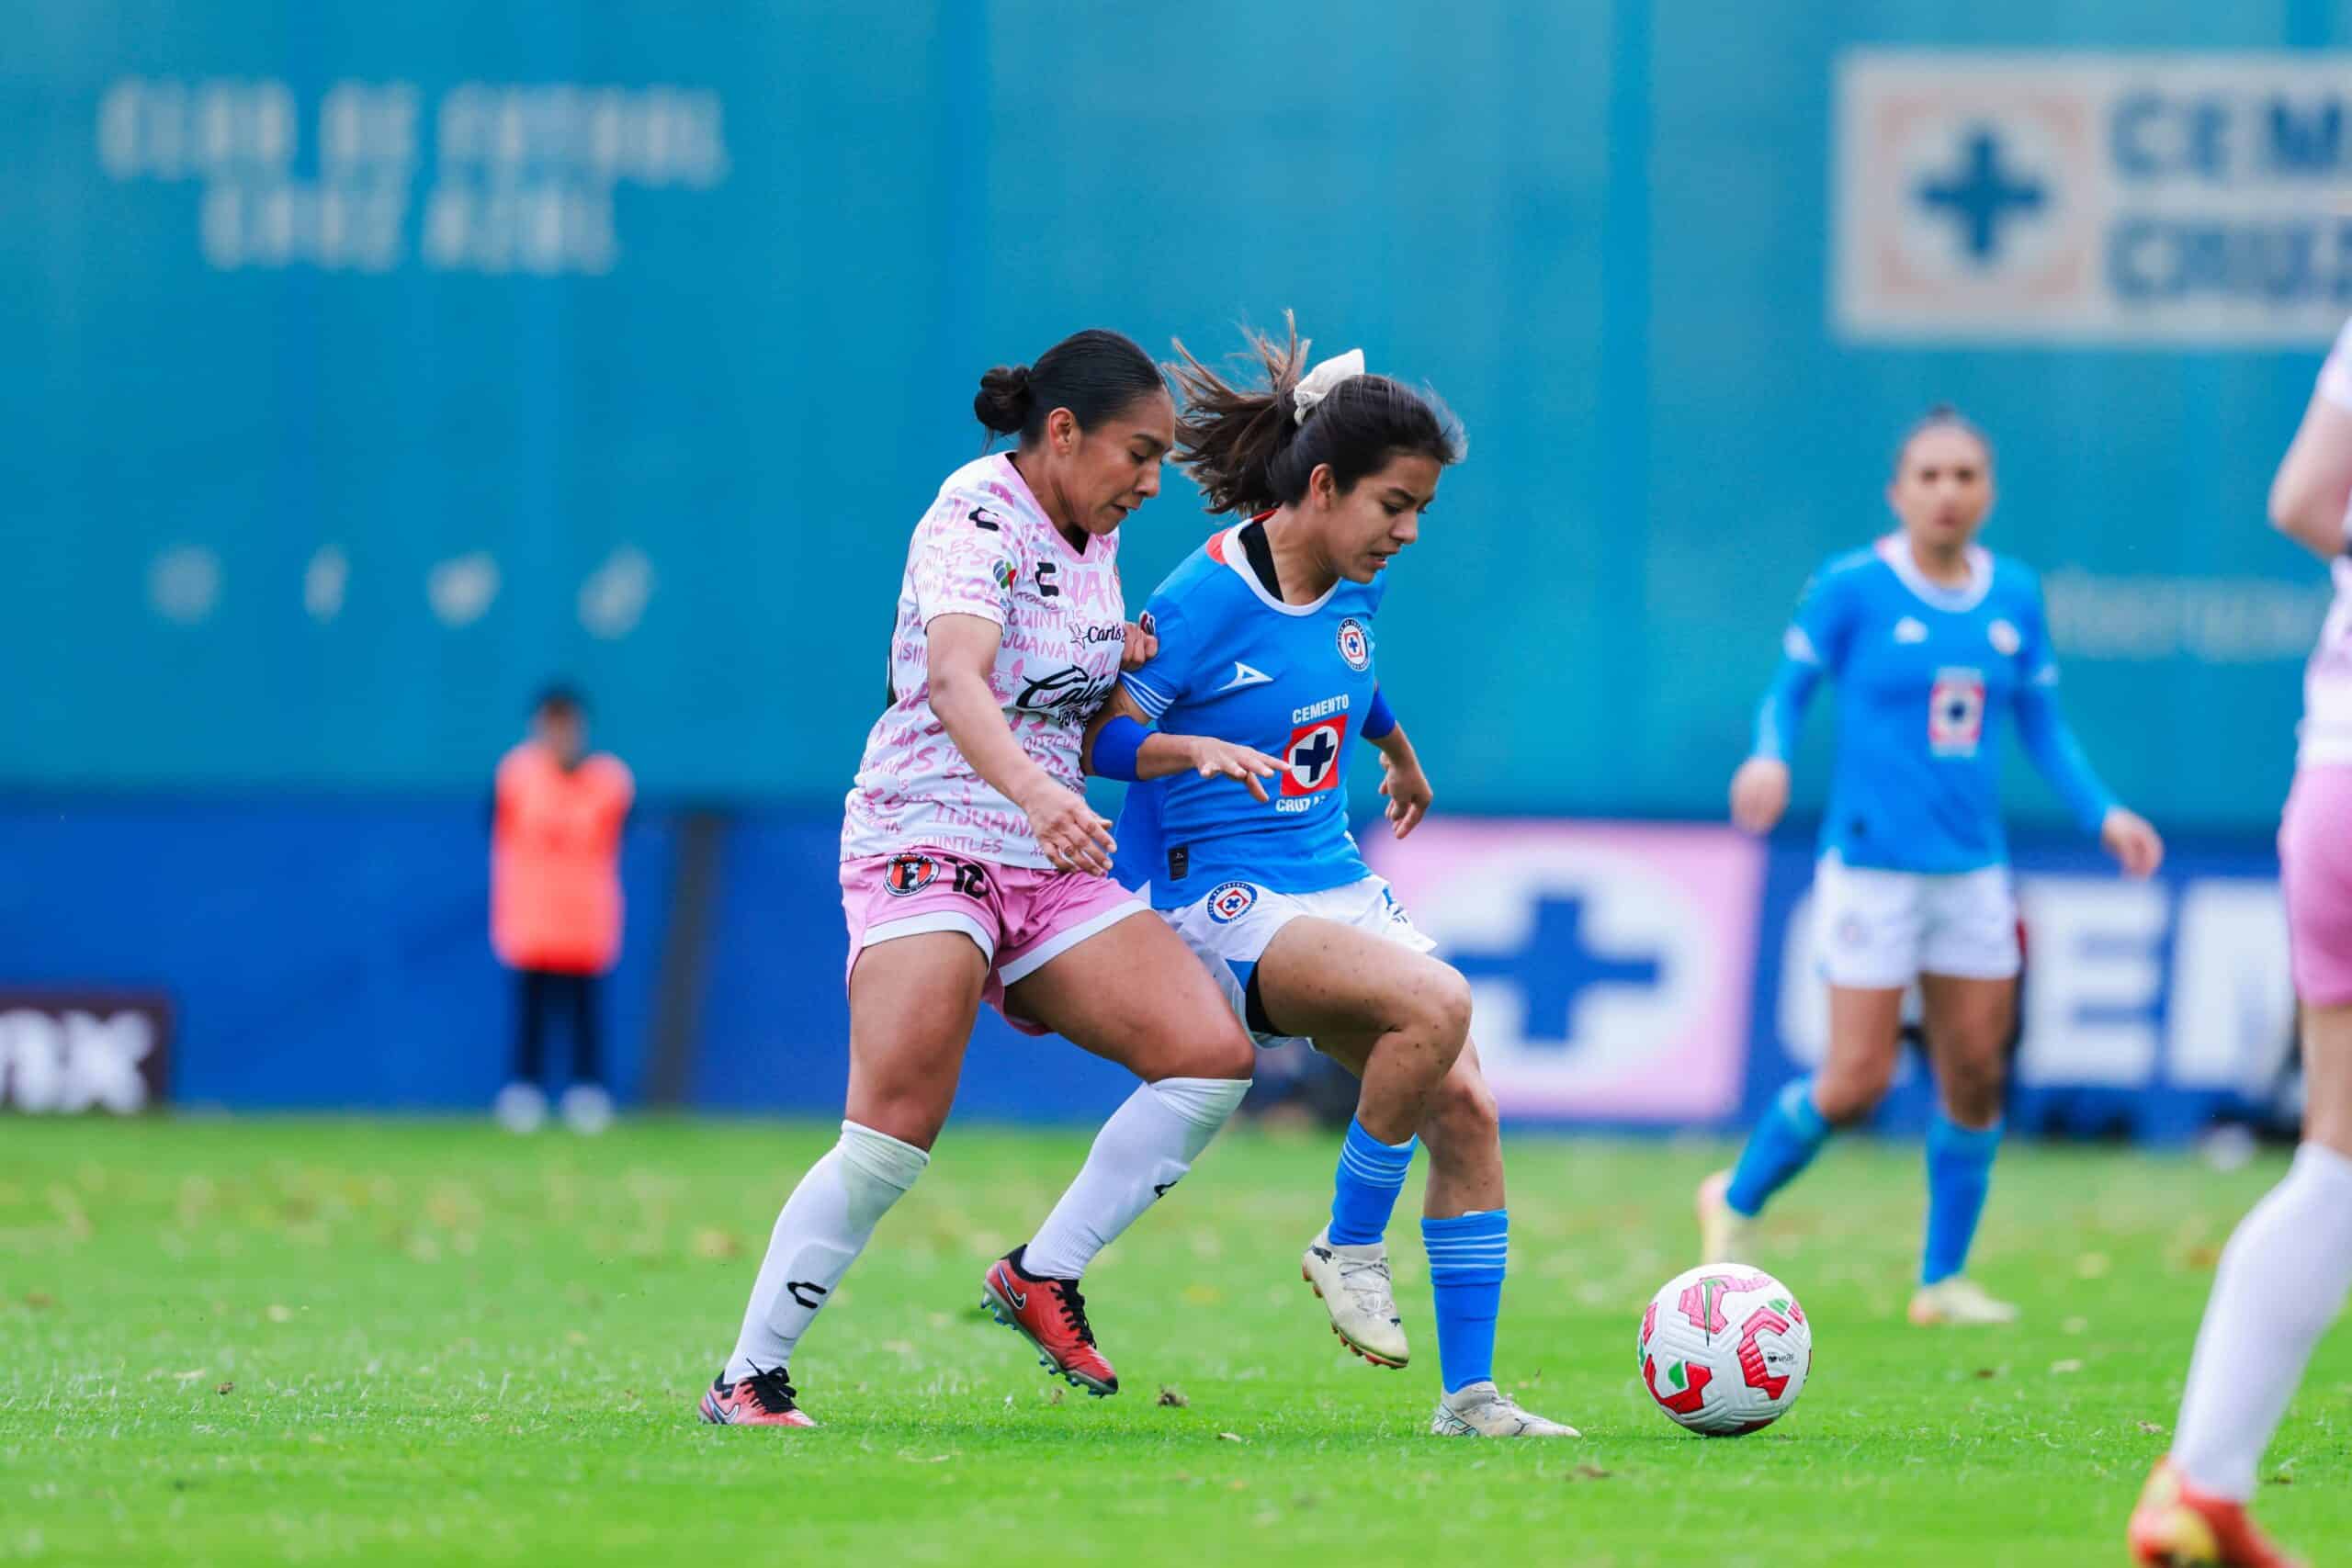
x,y
763,1399
1051,1315
2178,1527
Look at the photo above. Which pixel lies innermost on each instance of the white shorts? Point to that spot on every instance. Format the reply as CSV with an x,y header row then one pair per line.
x,y
1881,930
1230,927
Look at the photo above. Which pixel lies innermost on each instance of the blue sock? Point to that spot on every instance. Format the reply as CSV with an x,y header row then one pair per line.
x,y
1783,1143
1363,1192
1959,1173
1466,1257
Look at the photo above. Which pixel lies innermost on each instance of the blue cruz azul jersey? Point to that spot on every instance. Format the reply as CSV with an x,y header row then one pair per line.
x,y
1293,681
1924,676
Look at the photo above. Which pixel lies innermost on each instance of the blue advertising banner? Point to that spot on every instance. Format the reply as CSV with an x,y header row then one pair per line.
x,y
1626,975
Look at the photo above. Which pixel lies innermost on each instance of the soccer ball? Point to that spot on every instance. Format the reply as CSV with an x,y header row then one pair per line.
x,y
1724,1349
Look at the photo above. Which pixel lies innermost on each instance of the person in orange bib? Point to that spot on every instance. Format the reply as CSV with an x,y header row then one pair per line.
x,y
555,901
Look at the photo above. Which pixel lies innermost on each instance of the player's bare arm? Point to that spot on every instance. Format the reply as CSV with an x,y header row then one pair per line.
x,y
2314,479
961,651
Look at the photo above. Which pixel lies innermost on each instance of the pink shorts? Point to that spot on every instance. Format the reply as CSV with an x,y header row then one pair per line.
x,y
1020,919
2315,869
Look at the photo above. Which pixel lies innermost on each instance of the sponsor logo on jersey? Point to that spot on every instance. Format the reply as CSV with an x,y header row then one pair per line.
x,y
1956,713
1066,690
1323,709
1311,762
1910,628
1228,901
1004,574
1243,675
908,874
2004,637
1356,644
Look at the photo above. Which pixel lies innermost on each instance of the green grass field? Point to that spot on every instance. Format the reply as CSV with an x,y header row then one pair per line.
x,y
359,1341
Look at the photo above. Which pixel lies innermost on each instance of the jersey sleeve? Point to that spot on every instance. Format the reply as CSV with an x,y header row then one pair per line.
x,y
1823,627
1173,672
965,560
1813,645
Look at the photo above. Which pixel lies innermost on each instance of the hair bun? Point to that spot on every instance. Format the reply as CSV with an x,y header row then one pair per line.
x,y
1004,402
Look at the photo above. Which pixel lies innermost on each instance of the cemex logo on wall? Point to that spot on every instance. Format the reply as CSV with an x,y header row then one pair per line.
x,y
2092,197
1610,964
73,1051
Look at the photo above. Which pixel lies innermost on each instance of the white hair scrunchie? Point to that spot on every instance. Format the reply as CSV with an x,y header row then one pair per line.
x,y
1317,384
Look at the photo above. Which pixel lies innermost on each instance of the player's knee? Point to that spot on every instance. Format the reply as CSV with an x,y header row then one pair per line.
x,y
1441,1009
1846,1096
1461,1115
1210,1044
1226,1052
1972,1084
913,1119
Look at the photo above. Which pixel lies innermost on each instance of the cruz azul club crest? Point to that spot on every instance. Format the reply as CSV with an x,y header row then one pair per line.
x,y
1228,901
1356,644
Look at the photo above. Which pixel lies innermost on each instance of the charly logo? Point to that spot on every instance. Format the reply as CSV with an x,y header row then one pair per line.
x,y
1228,901
1356,644
2005,639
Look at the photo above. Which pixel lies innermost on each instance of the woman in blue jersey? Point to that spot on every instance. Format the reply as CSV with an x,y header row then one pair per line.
x,y
1932,641
1265,640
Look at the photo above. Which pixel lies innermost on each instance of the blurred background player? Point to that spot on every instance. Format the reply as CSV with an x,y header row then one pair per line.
x,y
555,903
2285,1273
1265,640
1931,638
972,869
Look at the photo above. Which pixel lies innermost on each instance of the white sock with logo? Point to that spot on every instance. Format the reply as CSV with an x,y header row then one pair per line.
x,y
2282,1281
825,1225
1143,1150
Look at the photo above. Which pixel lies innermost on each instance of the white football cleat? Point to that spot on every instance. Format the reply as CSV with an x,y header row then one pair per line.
x,y
1959,1303
587,1109
1482,1410
1354,1284
520,1107
1725,1235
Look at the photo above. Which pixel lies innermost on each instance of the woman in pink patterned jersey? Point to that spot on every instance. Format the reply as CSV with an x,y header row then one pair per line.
x,y
2285,1274
973,869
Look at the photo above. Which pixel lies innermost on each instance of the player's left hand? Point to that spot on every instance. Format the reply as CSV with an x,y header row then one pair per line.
x,y
1409,793
2132,842
1142,643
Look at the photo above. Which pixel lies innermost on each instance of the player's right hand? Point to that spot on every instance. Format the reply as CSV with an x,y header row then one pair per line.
x,y
1073,837
1759,792
1222,758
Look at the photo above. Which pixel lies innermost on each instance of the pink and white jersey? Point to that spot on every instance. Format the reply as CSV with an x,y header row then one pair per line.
x,y
985,548
2327,680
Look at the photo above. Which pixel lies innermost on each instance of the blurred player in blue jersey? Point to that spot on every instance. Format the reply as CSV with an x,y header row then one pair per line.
x,y
1932,641
1265,640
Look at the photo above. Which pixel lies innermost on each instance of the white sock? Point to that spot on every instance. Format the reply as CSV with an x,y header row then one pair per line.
x,y
2283,1280
1143,1150
825,1225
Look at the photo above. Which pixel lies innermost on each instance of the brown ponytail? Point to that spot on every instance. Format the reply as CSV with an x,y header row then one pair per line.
x,y
1249,453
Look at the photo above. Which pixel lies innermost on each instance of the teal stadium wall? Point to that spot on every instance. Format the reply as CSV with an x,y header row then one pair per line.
x,y
336,422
